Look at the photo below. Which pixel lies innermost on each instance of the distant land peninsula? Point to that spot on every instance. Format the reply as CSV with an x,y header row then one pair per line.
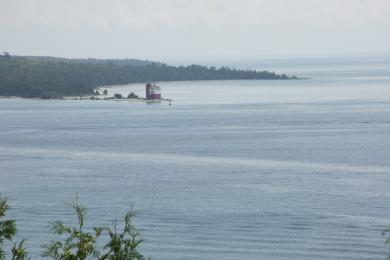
x,y
51,77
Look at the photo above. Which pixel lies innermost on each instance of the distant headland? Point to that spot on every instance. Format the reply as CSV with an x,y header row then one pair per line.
x,y
53,78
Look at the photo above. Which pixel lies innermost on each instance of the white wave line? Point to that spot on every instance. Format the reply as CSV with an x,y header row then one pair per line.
x,y
196,160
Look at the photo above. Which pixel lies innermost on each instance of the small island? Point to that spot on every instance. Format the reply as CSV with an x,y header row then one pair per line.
x,y
56,78
152,95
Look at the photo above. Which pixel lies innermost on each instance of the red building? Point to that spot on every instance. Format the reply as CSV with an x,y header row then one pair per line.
x,y
153,91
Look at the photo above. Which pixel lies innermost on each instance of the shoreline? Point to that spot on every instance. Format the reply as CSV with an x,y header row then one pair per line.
x,y
88,98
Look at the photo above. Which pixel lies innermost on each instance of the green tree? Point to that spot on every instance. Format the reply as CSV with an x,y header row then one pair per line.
x,y
7,232
19,252
118,96
77,244
132,95
7,55
123,245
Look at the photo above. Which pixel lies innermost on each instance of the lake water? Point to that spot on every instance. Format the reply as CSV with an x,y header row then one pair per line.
x,y
232,170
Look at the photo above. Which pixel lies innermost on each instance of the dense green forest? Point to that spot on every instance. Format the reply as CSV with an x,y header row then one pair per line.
x,y
48,77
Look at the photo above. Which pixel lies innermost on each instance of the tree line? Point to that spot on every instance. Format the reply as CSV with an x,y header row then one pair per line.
x,y
47,77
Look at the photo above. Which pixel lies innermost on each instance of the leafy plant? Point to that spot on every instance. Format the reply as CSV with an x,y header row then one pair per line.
x,y
7,232
123,245
77,243
19,252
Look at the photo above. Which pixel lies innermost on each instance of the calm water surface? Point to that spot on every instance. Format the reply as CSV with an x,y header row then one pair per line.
x,y
232,170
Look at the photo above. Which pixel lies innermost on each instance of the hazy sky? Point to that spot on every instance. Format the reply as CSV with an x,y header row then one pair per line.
x,y
195,29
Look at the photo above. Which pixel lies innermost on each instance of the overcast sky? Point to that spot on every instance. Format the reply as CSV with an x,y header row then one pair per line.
x,y
195,29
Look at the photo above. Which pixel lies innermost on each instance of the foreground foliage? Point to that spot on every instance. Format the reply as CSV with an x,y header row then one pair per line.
x,y
7,232
123,245
75,242
78,244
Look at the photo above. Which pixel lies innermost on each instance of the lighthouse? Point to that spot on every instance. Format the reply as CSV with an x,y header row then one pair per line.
x,y
153,92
